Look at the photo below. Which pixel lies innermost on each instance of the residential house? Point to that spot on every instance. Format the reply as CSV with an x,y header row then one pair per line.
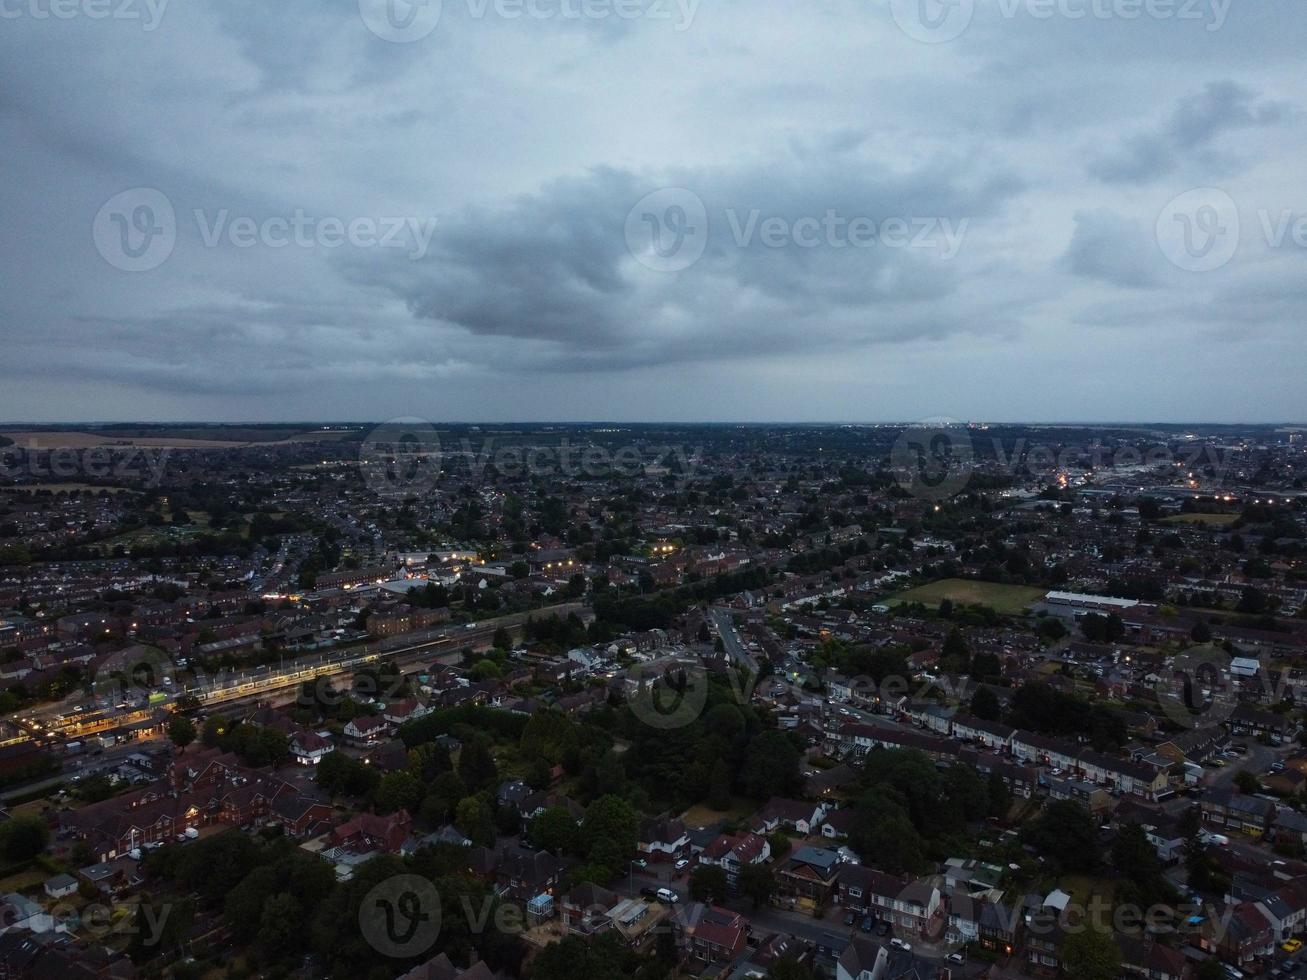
x,y
811,874
366,729
715,934
733,853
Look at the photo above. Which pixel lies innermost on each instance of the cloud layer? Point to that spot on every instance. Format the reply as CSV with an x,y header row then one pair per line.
x,y
836,219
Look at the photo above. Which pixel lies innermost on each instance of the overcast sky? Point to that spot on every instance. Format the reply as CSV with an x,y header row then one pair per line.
x,y
645,209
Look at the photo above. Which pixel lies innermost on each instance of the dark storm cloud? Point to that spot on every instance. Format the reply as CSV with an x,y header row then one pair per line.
x,y
1188,134
556,266
528,141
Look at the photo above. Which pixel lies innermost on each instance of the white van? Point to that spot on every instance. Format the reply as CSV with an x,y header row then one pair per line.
x,y
668,896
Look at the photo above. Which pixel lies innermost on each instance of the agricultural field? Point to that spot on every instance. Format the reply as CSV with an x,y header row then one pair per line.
x,y
1212,520
1007,599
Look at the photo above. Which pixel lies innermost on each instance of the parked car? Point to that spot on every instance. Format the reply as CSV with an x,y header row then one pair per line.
x,y
868,923
956,958
898,943
850,918
682,864
1291,945
667,896
882,929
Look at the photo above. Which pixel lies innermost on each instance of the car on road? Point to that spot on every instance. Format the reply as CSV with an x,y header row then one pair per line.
x,y
956,958
682,864
898,943
1291,945
641,863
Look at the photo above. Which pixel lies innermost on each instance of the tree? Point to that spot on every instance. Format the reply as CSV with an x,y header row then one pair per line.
x,y
611,818
963,787
550,735
429,760
445,793
719,785
474,820
892,837
771,767
788,968
1246,782
576,959
476,766
1065,833
985,705
1000,797
280,927
955,656
709,884
1091,955
554,831
757,883
181,731
1135,860
399,791
215,726
22,838
332,773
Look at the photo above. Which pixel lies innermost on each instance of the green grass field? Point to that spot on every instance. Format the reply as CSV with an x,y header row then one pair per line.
x,y
1215,520
1007,599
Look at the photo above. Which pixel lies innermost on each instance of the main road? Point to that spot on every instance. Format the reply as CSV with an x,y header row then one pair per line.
x,y
735,649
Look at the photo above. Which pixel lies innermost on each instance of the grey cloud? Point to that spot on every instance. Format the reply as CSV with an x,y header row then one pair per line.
x,y
530,141
1112,249
554,266
1194,125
